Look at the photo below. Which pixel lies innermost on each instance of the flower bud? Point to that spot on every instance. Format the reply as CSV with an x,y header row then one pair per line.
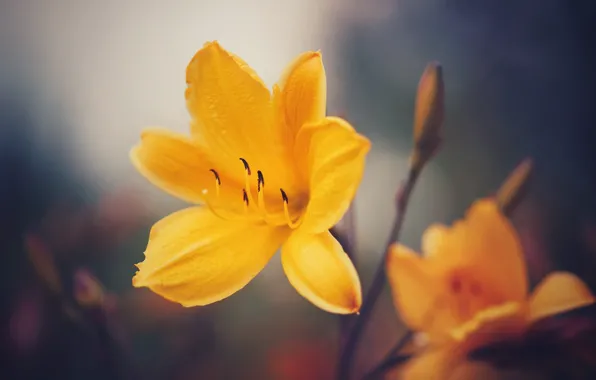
x,y
512,189
428,116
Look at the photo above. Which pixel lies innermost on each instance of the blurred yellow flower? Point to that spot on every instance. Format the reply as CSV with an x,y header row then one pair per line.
x,y
268,170
470,289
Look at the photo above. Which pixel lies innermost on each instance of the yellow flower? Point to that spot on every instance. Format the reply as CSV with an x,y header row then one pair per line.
x,y
268,170
470,289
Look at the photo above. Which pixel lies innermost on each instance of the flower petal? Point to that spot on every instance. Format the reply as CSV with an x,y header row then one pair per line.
x,y
333,158
492,324
226,99
557,293
322,272
446,363
196,258
232,114
175,164
433,238
414,285
486,244
301,93
449,362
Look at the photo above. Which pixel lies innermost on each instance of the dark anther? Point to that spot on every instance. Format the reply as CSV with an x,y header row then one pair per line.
x,y
475,289
216,176
246,167
456,285
283,195
260,180
245,196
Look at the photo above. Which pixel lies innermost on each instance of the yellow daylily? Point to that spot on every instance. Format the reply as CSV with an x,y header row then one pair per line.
x,y
470,289
268,170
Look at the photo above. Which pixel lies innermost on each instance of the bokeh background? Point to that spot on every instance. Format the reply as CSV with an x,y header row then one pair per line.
x,y
79,80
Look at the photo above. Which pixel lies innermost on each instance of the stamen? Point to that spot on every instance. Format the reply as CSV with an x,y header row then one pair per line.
x,y
289,221
246,167
245,199
216,213
246,189
216,176
260,196
260,180
217,182
217,189
260,186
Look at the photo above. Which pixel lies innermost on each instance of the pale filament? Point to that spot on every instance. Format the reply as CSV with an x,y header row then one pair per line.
x,y
289,220
217,182
208,203
213,210
263,208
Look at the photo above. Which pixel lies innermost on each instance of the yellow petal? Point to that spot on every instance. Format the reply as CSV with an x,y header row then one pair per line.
x,y
232,115
490,325
433,239
448,361
175,164
486,244
195,258
557,293
302,92
322,272
416,292
333,157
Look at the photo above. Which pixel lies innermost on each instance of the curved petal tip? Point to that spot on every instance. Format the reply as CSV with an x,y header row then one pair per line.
x,y
319,269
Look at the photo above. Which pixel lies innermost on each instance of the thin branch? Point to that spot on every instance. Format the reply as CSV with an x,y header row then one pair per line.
x,y
391,359
347,355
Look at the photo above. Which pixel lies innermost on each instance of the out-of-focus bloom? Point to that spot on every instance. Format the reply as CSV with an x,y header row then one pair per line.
x,y
268,169
26,321
470,289
513,188
88,291
302,359
43,262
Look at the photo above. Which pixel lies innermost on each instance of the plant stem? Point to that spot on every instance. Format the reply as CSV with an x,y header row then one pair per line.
x,y
379,280
390,358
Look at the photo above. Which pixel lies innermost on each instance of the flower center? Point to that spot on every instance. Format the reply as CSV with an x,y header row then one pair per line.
x,y
467,295
248,201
